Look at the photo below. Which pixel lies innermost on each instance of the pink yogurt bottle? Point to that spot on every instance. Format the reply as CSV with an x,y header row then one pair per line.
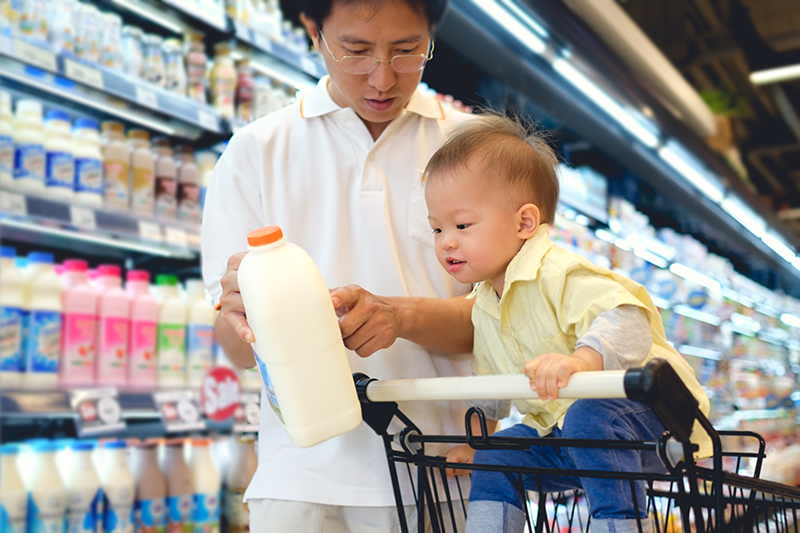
x,y
79,304
113,315
144,315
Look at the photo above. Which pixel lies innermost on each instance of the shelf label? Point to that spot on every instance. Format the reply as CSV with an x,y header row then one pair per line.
x,y
262,41
83,74
208,120
248,413
180,410
33,55
146,97
175,236
12,203
82,217
149,231
97,410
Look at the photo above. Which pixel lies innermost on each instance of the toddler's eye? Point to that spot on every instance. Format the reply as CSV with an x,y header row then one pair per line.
x,y
436,231
462,226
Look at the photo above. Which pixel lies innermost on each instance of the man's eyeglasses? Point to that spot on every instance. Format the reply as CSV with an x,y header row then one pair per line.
x,y
403,64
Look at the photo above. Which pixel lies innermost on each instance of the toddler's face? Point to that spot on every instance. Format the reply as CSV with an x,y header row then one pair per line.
x,y
474,227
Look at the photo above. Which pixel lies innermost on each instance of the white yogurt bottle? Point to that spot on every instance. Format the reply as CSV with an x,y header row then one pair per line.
x,y
286,299
59,167
199,333
11,320
29,146
119,489
171,333
207,485
48,497
84,495
42,299
13,494
88,162
6,141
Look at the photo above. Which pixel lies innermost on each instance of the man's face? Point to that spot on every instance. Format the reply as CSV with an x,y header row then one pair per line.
x,y
378,28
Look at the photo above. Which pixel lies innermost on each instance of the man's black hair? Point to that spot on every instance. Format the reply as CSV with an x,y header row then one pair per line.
x,y
318,10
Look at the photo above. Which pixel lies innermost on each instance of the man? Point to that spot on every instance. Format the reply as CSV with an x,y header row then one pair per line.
x,y
341,172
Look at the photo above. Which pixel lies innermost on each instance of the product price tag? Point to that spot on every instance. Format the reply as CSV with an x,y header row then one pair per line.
x,y
209,121
247,413
82,217
12,203
149,231
97,411
33,55
146,97
175,236
83,74
262,41
180,410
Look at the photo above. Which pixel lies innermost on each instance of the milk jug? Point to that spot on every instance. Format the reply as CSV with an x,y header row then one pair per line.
x,y
11,316
13,494
42,299
113,322
207,484
144,316
119,489
150,512
84,495
298,346
79,307
243,466
199,332
180,488
48,497
171,333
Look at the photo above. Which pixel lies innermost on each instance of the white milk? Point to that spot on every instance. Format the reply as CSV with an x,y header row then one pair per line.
x,y
207,484
171,333
84,495
88,161
199,332
12,362
48,497
13,494
29,146
59,166
298,345
240,472
119,489
42,299
6,141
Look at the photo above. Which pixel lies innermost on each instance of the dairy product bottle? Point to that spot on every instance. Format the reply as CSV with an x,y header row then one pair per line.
x,y
84,493
11,320
59,165
29,146
116,162
144,318
78,337
48,496
88,162
207,484
171,333
180,488
13,494
142,172
113,323
242,467
199,332
41,295
188,185
166,179
150,511
6,141
205,164
285,298
119,489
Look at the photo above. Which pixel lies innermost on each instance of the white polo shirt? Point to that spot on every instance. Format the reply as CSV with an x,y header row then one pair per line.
x,y
357,207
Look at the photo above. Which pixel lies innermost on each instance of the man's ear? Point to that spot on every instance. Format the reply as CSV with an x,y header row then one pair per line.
x,y
312,29
528,218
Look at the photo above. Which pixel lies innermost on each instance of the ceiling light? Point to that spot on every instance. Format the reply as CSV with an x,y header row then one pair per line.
x,y
527,19
512,25
778,246
746,216
775,75
152,14
790,320
694,276
678,158
694,314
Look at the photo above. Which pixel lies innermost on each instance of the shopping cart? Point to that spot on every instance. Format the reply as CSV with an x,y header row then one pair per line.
x,y
709,495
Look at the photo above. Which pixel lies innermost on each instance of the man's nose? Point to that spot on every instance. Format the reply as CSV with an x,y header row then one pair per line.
x,y
383,77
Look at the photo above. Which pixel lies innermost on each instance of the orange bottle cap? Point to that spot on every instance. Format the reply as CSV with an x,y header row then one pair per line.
x,y
200,443
265,235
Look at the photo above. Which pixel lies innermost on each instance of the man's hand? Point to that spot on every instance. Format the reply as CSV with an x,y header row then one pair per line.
x,y
368,322
460,454
232,309
551,371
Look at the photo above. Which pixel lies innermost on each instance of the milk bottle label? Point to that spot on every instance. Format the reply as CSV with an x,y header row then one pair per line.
x,y
6,155
10,339
116,183
143,347
29,162
45,341
172,350
180,514
166,196
142,196
49,518
13,514
205,513
150,516
113,363
83,511
188,202
200,347
271,397
88,175
59,170
118,512
79,348
25,342
236,511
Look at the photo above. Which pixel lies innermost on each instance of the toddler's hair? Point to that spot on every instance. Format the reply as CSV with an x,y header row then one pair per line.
x,y
519,159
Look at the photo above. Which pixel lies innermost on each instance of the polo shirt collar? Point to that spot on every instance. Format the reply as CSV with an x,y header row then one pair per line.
x,y
319,102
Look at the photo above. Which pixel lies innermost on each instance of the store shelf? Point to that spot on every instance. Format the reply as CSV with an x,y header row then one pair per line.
x,y
107,91
34,214
210,13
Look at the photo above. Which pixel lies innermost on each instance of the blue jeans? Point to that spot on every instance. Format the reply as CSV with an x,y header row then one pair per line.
x,y
585,419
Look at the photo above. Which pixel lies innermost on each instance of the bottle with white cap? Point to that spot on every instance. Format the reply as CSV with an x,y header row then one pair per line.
x,y
6,141
13,494
119,489
240,473
285,297
48,497
88,161
199,332
42,299
207,484
29,146
84,494
171,333
59,176
11,317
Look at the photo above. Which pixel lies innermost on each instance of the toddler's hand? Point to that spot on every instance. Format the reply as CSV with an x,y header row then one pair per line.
x,y
551,371
459,454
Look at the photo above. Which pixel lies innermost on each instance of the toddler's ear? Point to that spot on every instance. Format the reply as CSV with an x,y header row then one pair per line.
x,y
528,218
